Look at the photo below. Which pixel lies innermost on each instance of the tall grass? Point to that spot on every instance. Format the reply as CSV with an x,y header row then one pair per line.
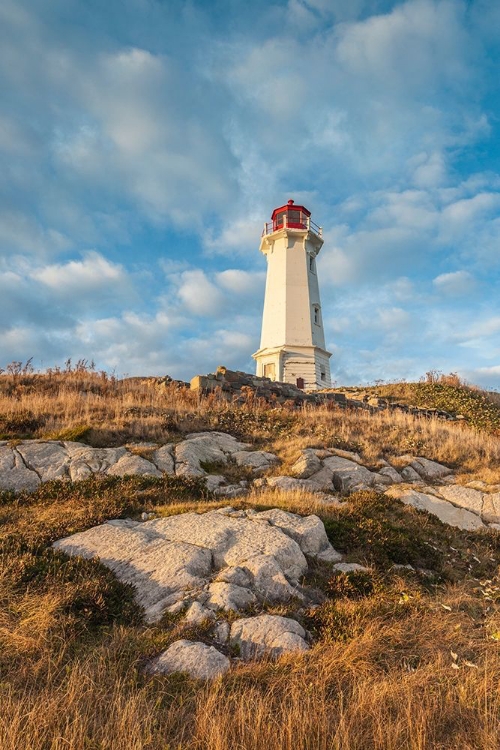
x,y
410,663
102,410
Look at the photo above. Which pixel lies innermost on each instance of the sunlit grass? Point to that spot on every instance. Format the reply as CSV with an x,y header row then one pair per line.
x,y
402,659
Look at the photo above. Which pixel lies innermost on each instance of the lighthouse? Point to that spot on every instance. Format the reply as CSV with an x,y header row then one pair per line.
x,y
292,346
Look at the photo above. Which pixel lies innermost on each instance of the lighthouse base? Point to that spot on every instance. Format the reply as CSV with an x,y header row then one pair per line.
x,y
307,367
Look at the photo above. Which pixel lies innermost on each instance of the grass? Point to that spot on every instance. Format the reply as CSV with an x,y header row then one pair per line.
x,y
402,659
480,409
73,643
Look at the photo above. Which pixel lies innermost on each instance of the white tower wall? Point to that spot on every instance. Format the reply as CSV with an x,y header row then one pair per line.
x,y
292,347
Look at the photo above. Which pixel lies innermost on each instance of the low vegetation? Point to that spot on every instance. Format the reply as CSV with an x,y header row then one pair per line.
x,y
479,408
404,657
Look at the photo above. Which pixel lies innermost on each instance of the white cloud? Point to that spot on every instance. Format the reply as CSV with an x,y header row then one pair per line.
x,y
20,233
241,282
485,327
199,295
455,283
239,236
431,170
411,48
394,318
493,370
79,277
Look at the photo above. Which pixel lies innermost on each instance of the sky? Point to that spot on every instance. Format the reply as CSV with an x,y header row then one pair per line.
x,y
143,144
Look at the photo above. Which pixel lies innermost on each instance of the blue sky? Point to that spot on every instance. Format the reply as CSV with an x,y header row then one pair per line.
x,y
143,143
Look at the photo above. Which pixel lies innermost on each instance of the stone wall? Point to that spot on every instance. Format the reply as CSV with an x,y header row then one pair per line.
x,y
235,386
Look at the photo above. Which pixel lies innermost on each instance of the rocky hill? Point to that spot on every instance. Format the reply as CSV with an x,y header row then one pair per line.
x,y
184,568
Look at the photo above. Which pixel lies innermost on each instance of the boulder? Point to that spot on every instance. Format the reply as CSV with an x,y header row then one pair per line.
x,y
391,474
445,511
323,478
349,475
229,597
309,531
14,474
258,461
409,474
204,447
85,461
214,482
237,575
50,460
193,658
307,464
191,454
430,470
232,541
267,635
223,441
161,571
196,614
224,559
351,455
268,580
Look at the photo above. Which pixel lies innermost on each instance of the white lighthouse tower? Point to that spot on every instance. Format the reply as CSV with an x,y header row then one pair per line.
x,y
292,345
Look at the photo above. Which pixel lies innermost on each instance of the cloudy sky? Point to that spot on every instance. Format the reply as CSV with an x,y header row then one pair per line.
x,y
143,143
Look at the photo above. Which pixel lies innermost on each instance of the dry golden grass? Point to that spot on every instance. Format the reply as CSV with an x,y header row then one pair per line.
x,y
103,411
380,675
391,434
392,686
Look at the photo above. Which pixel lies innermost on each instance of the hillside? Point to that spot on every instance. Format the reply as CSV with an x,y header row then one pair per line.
x,y
402,635
479,408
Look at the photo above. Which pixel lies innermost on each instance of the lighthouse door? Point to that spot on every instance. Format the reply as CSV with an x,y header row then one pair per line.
x,y
270,371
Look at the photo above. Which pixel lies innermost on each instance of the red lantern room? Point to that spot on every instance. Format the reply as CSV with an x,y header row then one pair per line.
x,y
295,217
291,216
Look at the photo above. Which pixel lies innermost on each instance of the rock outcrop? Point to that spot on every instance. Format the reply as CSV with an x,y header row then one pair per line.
x,y
223,560
415,480
204,566
25,465
444,510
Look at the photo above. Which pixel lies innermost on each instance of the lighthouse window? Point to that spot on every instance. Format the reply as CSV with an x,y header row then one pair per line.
x,y
316,315
311,263
323,374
